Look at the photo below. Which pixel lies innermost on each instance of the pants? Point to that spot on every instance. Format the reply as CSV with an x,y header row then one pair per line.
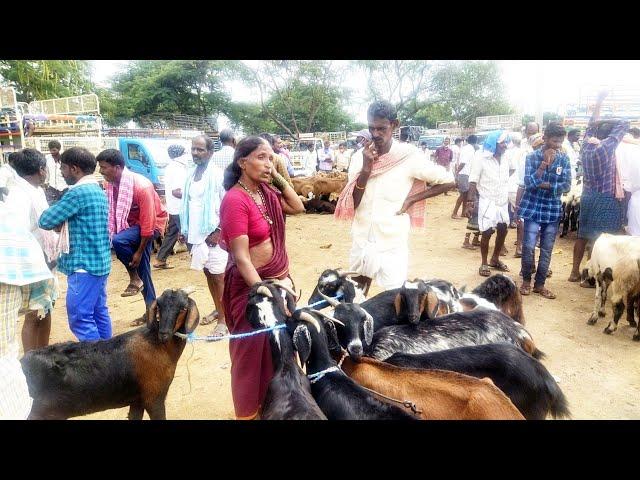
x,y
87,306
125,245
548,233
170,238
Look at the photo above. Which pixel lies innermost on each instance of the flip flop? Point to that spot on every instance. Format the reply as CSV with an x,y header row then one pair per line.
x,y
209,319
163,266
484,271
525,289
139,321
132,290
500,266
469,247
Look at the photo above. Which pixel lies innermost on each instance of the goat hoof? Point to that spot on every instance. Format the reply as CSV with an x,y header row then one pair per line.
x,y
608,331
633,324
592,320
636,337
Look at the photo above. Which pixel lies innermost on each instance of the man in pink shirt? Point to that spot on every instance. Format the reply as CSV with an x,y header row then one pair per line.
x,y
136,217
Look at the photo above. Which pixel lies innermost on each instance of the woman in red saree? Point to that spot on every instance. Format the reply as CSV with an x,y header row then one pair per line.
x,y
253,232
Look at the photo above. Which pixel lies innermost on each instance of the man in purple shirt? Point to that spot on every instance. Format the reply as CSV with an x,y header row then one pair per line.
x,y
600,210
444,155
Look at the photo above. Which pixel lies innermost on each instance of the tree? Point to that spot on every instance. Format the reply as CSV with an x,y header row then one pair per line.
x,y
44,79
470,90
404,83
189,87
299,96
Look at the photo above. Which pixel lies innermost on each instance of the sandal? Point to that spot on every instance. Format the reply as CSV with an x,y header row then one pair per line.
x,y
221,330
542,291
209,319
139,321
162,266
468,246
525,289
132,290
500,266
484,271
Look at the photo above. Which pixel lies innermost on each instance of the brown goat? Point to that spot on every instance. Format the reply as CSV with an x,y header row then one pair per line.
x,y
439,394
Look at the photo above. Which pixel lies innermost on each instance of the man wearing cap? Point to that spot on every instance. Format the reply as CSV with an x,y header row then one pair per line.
x,y
175,174
489,177
385,197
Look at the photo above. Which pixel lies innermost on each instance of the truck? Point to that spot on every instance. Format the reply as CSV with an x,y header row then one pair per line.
x,y
76,122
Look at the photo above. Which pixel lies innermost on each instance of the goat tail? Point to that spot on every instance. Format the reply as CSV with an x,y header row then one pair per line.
x,y
530,347
558,405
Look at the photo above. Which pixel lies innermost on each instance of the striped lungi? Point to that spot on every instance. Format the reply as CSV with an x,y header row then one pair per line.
x,y
599,213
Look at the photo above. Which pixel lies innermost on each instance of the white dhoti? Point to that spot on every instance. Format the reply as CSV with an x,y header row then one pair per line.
x,y
214,259
633,214
490,214
388,268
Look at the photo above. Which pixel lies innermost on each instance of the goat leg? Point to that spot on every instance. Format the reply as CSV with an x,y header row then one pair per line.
x,y
618,309
136,411
631,304
599,302
156,410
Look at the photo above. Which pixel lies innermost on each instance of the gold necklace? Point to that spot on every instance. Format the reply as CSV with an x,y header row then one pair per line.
x,y
262,210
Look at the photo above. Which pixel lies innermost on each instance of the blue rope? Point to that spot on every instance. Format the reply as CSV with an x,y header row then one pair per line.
x,y
191,337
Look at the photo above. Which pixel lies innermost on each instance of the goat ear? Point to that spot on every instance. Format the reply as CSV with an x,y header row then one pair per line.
x,y
430,304
152,312
302,342
397,302
193,317
332,335
368,329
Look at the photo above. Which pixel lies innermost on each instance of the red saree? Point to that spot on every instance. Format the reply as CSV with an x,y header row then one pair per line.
x,y
251,363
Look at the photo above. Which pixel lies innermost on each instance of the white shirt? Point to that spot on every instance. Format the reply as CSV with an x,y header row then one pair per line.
x,y
54,175
466,156
627,161
456,156
491,177
7,176
573,156
384,196
175,175
521,166
513,155
223,157
342,160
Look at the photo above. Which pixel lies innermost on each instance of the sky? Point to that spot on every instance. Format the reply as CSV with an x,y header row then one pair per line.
x,y
559,82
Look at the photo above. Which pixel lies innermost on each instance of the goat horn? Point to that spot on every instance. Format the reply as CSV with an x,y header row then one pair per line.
x,y
264,291
348,274
329,317
286,289
188,290
307,317
332,302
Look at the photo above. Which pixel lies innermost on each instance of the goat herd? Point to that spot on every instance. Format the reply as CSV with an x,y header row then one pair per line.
x,y
422,351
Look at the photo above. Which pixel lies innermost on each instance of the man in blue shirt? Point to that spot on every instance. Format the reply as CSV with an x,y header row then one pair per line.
x,y
81,214
547,176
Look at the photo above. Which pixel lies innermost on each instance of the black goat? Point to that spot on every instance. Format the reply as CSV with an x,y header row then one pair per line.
x,y
316,205
339,397
333,282
135,368
289,394
476,327
528,384
502,292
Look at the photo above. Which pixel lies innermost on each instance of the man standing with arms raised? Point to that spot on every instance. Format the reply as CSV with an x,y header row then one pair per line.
x,y
385,197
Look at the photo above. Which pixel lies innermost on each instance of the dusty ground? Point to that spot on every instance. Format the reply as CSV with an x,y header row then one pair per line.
x,y
599,374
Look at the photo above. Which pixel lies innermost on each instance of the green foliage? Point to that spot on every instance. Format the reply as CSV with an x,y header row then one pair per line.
x,y
249,117
471,89
44,79
429,114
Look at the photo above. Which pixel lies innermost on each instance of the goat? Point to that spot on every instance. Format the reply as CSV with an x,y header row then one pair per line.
x,y
615,264
289,394
502,292
528,384
338,396
476,327
315,205
437,394
135,368
570,211
333,282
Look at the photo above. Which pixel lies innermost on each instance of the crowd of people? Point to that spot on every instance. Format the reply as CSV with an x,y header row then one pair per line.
x,y
230,209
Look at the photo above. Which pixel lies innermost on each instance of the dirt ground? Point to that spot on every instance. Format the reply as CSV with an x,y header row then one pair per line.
x,y
599,374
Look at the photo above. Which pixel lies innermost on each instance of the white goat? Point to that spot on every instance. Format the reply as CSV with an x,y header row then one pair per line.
x,y
615,265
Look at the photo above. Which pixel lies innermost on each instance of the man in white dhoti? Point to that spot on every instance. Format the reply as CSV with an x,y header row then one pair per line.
x,y
385,197
490,178
628,163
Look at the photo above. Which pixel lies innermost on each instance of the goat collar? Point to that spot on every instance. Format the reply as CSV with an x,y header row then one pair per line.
x,y
345,354
314,377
